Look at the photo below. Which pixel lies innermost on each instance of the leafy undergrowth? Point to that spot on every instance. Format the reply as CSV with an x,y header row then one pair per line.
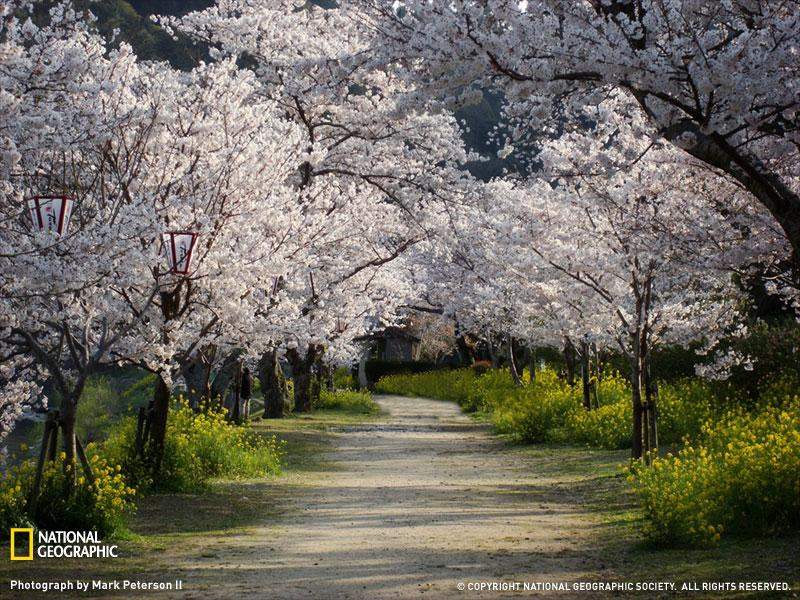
x,y
738,471
455,385
594,479
167,525
352,401
549,409
198,447
742,475
100,505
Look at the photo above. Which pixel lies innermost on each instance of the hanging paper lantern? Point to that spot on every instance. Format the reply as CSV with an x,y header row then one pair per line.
x,y
50,213
179,246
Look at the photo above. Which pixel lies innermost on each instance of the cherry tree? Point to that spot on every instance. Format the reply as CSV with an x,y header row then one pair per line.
x,y
716,79
216,164
633,256
382,175
54,324
143,150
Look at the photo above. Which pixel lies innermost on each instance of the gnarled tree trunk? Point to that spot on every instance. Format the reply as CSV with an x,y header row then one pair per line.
x,y
198,377
273,385
512,363
224,378
569,360
301,372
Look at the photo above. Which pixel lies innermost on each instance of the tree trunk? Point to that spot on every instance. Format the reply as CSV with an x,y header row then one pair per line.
x,y
301,372
224,378
330,381
651,400
198,377
315,388
512,364
646,433
67,420
287,397
236,394
465,356
569,360
49,441
363,382
159,405
585,375
532,363
272,385
194,376
636,397
596,382
159,411
68,416
494,356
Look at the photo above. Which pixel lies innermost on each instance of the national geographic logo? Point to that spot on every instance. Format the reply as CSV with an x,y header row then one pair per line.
x,y
25,536
58,544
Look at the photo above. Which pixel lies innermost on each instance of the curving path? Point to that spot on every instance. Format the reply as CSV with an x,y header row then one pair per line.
x,y
416,503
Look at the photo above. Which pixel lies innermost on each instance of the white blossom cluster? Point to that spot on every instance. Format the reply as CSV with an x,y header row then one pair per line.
x,y
309,194
319,165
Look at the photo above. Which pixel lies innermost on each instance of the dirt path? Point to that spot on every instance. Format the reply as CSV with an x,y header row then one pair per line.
x,y
417,503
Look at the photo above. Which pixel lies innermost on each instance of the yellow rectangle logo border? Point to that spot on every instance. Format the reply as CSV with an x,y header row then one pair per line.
x,y
29,531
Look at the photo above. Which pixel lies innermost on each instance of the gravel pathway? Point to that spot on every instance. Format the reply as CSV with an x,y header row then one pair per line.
x,y
414,505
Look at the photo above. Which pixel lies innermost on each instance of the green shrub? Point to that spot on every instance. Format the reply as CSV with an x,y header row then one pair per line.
x,y
534,413
140,392
197,448
610,426
347,400
489,390
456,385
375,370
550,410
683,407
343,379
101,506
742,475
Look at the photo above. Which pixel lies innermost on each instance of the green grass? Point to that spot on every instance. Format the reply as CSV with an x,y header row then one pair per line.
x,y
165,525
348,401
107,398
596,479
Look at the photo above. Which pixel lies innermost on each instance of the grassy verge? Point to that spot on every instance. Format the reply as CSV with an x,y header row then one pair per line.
x,y
168,529
594,478
737,466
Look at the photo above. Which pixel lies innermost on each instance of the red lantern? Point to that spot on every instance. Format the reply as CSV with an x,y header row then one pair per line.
x,y
51,213
179,246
